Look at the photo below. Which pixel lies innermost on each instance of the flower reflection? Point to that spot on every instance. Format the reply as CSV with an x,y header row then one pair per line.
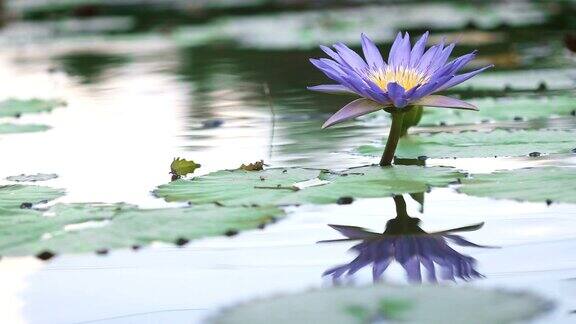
x,y
413,248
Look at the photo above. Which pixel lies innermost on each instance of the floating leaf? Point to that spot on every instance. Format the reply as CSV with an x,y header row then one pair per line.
x,y
74,228
383,303
181,167
503,109
551,79
32,177
278,186
539,184
480,144
17,107
15,128
256,166
13,196
236,187
307,29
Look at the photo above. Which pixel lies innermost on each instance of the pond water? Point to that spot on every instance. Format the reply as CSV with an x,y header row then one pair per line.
x,y
137,99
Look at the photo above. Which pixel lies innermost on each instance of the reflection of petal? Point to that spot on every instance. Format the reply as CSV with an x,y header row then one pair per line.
x,y
354,232
412,267
379,268
468,228
431,271
462,242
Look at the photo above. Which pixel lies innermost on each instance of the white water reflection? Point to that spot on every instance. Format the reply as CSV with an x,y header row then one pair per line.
x,y
177,285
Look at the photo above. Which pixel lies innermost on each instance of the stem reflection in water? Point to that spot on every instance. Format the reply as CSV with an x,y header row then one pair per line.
x,y
411,246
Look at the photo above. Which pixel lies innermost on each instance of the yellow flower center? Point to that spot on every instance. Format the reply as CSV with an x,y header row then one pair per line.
x,y
406,77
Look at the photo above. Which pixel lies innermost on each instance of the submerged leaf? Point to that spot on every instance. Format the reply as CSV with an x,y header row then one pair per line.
x,y
383,303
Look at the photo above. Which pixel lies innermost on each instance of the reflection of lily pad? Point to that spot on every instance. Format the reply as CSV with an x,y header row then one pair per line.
x,y
276,186
382,303
73,228
505,109
538,184
88,67
480,144
17,107
14,128
13,196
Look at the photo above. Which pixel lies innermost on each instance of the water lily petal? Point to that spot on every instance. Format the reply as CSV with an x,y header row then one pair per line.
x,y
332,54
444,102
351,58
352,110
441,58
397,94
401,55
418,50
371,53
462,77
395,49
429,56
331,88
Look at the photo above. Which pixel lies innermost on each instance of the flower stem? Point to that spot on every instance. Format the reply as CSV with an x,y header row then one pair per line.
x,y
393,137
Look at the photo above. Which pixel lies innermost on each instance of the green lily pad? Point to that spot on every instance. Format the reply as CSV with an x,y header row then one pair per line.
x,y
480,144
503,109
307,29
537,185
383,303
75,228
32,177
13,196
17,107
551,79
279,186
14,128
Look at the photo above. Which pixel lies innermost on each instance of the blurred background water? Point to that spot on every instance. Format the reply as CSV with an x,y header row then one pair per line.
x,y
149,80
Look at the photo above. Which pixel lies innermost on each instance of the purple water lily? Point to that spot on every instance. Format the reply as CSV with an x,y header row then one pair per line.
x,y
409,78
404,241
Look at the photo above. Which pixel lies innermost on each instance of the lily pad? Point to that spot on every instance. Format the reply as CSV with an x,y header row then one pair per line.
x,y
279,186
384,303
503,109
32,177
13,196
307,29
75,228
480,144
17,107
548,184
15,128
551,79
